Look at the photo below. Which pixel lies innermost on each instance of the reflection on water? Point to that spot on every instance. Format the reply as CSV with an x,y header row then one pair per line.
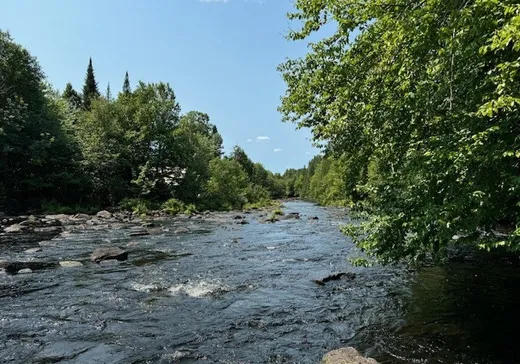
x,y
229,293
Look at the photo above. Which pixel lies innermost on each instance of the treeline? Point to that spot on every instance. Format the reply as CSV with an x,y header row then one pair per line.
x,y
91,149
418,104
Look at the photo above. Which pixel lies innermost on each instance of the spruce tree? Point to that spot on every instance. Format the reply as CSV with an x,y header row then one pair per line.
x,y
126,85
108,94
73,98
90,89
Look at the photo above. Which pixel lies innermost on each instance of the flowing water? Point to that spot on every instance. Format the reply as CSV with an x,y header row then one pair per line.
x,y
228,293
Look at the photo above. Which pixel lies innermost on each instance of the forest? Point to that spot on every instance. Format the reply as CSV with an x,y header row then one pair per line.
x,y
417,106
76,151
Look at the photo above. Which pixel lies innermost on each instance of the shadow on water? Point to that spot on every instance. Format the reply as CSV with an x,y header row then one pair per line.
x,y
459,313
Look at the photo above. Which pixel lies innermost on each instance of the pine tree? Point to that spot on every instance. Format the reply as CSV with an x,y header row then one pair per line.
x,y
126,85
90,89
72,96
108,94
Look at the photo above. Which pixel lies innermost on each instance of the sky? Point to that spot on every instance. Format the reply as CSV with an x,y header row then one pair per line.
x,y
220,56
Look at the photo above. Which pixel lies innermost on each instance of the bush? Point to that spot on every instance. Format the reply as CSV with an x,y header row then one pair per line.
x,y
138,206
174,207
278,212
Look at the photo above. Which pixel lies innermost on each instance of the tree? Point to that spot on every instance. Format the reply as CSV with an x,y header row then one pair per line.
x,y
90,88
72,97
241,157
421,102
37,157
226,188
108,93
126,85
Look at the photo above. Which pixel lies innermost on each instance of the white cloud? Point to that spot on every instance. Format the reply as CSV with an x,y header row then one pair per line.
x,y
264,139
249,140
277,150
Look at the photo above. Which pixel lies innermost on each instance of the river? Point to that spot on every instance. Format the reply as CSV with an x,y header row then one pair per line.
x,y
228,293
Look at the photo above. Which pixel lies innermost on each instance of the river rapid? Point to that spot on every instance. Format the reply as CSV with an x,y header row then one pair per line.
x,y
223,292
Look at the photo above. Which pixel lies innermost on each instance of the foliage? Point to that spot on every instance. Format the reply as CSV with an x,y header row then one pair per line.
x,y
226,186
134,151
173,206
419,103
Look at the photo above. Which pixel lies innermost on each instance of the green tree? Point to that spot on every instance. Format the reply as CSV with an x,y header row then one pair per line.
x,y
72,97
126,85
36,157
421,100
226,188
90,88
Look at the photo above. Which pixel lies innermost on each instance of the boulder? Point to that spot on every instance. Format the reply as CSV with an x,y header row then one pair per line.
x,y
182,230
70,264
59,217
104,214
81,217
314,218
290,215
15,228
25,271
108,253
242,222
346,356
238,217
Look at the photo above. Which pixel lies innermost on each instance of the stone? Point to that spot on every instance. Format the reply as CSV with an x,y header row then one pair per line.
x,y
346,356
59,217
314,218
238,217
33,250
242,222
148,225
182,230
334,277
14,267
15,228
70,264
108,253
48,229
81,217
104,214
25,271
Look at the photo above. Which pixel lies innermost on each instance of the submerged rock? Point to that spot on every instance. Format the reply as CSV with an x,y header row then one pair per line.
x,y
346,356
182,230
108,253
334,277
290,216
25,271
15,267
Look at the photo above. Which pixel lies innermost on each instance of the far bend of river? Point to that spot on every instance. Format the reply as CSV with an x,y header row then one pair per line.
x,y
246,295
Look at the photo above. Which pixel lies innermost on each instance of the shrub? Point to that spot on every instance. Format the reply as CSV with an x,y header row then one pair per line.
x,y
174,207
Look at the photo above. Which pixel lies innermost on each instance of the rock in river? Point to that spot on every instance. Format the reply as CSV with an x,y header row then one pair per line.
x,y
104,214
25,271
346,356
334,277
15,228
70,264
101,254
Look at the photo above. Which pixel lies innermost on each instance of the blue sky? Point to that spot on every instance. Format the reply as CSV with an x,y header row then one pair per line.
x,y
219,56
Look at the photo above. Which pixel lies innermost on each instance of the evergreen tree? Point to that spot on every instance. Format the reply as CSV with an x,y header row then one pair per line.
x,y
90,89
108,93
126,85
73,98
